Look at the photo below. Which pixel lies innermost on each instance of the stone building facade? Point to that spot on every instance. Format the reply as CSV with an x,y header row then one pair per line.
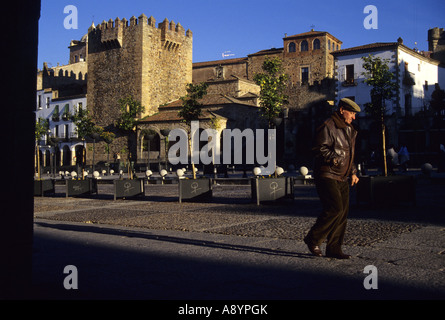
x,y
306,59
229,104
122,58
152,64
436,43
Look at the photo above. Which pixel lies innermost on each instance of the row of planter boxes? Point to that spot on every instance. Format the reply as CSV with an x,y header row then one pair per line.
x,y
73,187
268,189
370,189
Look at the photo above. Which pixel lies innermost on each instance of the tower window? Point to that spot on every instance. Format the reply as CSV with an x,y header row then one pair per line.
x,y
304,46
316,44
292,47
304,75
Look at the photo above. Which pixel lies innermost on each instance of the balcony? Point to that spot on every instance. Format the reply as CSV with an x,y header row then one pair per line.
x,y
73,136
350,80
349,83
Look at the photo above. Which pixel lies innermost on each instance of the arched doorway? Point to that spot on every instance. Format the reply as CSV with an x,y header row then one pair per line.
x,y
79,151
47,158
66,159
149,147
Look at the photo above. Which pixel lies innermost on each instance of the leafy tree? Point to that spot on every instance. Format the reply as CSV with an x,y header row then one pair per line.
x,y
384,86
382,81
130,110
41,128
273,83
108,137
83,122
85,127
191,109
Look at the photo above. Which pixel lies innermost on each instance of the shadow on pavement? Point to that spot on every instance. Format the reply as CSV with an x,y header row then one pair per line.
x,y
112,272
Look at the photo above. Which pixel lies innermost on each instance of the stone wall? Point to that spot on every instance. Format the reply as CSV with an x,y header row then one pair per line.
x,y
151,64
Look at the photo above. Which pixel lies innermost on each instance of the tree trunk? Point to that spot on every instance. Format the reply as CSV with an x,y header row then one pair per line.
x,y
385,168
191,157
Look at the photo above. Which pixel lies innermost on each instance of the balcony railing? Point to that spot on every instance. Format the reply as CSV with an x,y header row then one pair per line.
x,y
349,81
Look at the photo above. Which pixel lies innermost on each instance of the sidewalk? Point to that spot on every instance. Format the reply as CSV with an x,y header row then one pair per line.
x,y
230,249
131,263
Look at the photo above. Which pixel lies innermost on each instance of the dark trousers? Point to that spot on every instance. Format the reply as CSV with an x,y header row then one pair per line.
x,y
331,224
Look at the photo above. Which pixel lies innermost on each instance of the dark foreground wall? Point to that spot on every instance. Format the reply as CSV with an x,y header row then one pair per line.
x,y
19,67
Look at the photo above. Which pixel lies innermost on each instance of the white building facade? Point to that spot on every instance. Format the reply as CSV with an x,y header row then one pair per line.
x,y
409,119
60,147
415,73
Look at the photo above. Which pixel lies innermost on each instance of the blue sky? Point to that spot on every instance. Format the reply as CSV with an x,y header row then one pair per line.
x,y
242,27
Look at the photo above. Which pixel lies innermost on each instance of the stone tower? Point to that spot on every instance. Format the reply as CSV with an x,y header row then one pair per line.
x,y
153,64
436,43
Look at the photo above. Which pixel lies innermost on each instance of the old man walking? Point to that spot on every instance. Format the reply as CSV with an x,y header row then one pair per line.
x,y
334,172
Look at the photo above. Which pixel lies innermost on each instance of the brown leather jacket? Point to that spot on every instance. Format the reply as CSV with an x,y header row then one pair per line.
x,y
334,149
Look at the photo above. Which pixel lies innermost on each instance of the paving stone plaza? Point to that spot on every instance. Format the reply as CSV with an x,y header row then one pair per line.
x,y
153,247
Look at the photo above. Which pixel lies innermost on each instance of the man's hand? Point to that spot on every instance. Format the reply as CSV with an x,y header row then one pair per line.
x,y
354,180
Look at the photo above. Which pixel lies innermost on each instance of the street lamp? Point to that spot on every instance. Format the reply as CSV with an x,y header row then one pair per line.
x,y
165,133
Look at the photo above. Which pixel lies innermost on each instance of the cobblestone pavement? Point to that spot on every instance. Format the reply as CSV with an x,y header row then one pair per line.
x,y
154,247
232,212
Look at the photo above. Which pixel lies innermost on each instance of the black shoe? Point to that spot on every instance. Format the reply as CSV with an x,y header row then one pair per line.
x,y
340,255
315,250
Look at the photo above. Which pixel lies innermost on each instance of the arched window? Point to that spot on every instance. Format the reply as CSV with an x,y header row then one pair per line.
x,y
329,44
292,47
304,46
316,44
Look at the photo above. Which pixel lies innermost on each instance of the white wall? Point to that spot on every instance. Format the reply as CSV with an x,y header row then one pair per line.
x,y
425,75
46,111
361,91
420,69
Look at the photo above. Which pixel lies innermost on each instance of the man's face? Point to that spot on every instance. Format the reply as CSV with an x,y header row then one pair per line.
x,y
347,115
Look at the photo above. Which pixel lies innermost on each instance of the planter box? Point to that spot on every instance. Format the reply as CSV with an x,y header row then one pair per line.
x,y
81,187
386,190
128,188
195,189
271,189
42,187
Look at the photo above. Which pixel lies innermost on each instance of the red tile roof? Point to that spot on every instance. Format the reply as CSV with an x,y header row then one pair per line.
x,y
219,62
312,33
169,112
367,47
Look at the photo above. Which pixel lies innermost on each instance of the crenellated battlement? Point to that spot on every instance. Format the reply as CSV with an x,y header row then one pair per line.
x,y
111,31
111,34
172,34
68,79
138,57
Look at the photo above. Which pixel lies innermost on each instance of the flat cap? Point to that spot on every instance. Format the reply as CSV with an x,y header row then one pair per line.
x,y
348,104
